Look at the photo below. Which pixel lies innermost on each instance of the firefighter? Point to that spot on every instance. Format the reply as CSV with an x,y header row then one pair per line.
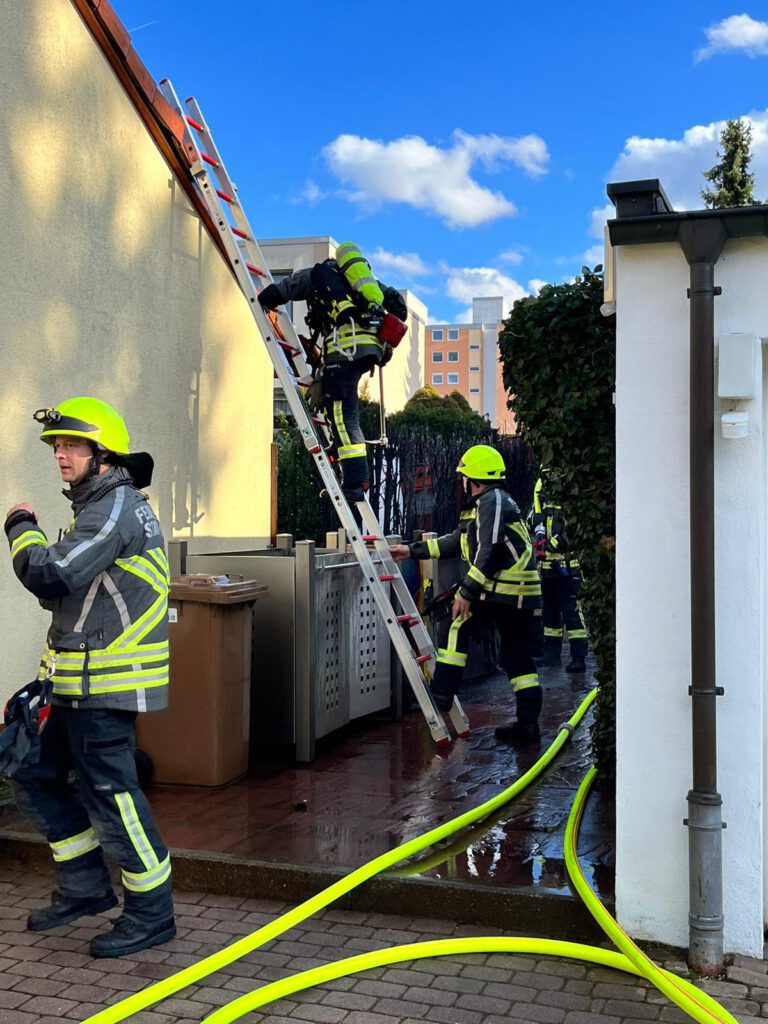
x,y
560,584
347,307
105,581
499,590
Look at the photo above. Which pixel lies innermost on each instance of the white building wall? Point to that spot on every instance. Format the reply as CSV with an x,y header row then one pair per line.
x,y
653,599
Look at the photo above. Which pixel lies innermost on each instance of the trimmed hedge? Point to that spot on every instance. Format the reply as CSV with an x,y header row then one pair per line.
x,y
559,355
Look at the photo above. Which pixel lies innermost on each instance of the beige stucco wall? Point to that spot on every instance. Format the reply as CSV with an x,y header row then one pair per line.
x,y
111,287
404,374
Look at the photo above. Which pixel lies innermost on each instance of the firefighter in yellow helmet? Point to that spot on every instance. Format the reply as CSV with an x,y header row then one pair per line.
x,y
105,659
500,589
350,314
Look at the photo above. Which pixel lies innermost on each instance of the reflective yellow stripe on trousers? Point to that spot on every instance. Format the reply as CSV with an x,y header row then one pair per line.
x,y
157,872
449,655
75,846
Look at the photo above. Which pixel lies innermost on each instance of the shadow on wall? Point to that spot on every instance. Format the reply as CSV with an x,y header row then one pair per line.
x,y
106,288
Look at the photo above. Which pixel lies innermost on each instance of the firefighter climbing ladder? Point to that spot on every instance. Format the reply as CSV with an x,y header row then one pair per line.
x,y
406,630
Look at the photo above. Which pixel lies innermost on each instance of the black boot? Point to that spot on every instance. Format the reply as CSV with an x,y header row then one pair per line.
x,y
443,701
66,909
576,666
526,728
552,648
578,656
129,936
517,732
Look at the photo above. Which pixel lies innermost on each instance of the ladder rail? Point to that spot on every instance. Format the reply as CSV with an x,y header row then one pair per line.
x,y
417,657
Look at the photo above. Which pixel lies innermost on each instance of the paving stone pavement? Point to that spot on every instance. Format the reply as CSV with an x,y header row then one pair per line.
x,y
49,978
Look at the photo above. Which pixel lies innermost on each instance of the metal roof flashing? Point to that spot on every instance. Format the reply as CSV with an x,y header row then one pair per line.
x,y
645,215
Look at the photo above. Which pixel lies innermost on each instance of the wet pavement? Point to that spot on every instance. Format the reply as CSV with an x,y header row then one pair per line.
x,y
383,782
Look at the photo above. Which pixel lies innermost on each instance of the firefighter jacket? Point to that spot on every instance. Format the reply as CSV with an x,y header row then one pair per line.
x,y
106,583
556,553
328,298
494,541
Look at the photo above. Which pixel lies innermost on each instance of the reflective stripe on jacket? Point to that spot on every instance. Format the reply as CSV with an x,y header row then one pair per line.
x,y
106,583
352,340
494,541
556,551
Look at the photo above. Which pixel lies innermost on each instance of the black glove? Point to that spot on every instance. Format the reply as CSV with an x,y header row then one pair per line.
x,y
314,396
270,297
386,355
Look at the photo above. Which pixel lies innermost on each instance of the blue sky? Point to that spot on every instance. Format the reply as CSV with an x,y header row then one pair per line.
x,y
464,147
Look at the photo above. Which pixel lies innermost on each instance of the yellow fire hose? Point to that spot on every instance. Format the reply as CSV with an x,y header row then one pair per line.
x,y
698,1005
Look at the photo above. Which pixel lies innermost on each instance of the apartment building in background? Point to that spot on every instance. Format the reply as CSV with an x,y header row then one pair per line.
x,y
404,373
465,358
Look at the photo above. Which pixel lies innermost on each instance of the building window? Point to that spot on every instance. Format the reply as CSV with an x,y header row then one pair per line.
x,y
453,378
437,378
474,391
453,357
474,346
474,369
453,335
437,357
437,335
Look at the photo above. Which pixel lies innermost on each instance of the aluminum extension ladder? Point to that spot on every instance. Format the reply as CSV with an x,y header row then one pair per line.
x,y
407,632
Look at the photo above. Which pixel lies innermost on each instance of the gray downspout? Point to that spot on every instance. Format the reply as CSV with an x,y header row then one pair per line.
x,y
702,242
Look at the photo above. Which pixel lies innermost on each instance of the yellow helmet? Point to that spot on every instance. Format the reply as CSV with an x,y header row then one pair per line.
x,y
481,462
88,418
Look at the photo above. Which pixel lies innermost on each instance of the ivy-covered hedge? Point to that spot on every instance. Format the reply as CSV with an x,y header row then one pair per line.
x,y
559,354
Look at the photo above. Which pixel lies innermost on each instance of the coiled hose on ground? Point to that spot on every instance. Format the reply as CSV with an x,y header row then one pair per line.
x,y
700,1006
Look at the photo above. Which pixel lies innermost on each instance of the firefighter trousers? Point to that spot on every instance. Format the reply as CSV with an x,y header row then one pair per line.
x,y
340,383
560,598
514,628
101,810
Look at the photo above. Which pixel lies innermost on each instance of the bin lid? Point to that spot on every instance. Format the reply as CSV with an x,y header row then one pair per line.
x,y
202,587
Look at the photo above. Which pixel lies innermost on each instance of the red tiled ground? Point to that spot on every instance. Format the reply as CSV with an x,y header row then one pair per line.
x,y
385,783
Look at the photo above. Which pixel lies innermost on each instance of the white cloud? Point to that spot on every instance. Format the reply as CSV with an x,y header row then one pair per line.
x,y
598,219
466,283
410,264
593,255
512,256
536,284
410,170
739,33
678,163
311,194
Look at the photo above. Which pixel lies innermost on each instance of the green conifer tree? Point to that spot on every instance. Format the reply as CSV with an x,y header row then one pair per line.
x,y
732,183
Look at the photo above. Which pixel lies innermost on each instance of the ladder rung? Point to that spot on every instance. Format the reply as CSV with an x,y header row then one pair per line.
x,y
255,270
386,577
407,620
315,450
209,159
368,537
223,195
301,383
194,124
240,234
320,421
288,347
422,658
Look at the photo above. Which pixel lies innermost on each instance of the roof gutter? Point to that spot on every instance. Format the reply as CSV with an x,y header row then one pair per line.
x,y
644,215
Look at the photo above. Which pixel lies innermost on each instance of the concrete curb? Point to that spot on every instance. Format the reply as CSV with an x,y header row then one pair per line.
x,y
512,908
